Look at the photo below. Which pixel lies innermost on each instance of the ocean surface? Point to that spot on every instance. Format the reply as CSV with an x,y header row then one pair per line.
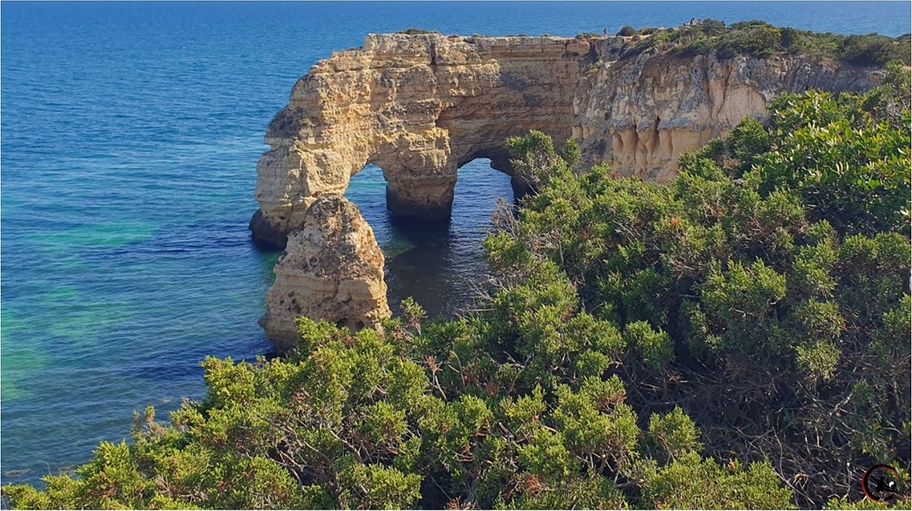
x,y
130,135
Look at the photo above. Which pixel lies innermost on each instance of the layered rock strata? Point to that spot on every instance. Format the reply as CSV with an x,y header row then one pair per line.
x,y
332,269
640,113
420,106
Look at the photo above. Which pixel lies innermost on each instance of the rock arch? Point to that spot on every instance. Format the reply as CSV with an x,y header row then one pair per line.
x,y
420,106
417,106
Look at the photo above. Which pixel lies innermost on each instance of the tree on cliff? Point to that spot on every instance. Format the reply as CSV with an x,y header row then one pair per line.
x,y
731,340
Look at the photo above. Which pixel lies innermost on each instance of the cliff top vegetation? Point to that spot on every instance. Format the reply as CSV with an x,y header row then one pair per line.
x,y
760,39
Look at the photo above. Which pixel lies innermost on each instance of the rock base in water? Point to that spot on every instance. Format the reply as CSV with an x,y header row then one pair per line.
x,y
264,234
332,269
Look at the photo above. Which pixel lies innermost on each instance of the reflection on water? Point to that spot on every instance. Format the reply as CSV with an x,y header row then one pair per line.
x,y
434,262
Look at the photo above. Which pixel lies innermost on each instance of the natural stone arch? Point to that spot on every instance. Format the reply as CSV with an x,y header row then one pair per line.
x,y
420,106
416,106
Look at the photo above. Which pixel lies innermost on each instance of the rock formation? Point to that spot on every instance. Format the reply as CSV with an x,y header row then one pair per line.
x,y
420,106
639,114
332,269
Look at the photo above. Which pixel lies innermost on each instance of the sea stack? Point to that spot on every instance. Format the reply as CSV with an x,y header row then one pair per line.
x,y
332,269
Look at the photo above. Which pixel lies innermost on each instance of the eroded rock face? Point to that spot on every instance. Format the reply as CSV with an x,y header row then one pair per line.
x,y
332,269
420,106
640,114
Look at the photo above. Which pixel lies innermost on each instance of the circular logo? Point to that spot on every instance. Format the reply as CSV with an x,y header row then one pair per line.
x,y
882,483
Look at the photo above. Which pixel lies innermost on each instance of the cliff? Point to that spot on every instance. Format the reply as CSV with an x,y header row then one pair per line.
x,y
639,114
420,106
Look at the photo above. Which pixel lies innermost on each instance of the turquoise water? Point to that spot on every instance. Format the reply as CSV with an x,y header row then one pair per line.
x,y
130,135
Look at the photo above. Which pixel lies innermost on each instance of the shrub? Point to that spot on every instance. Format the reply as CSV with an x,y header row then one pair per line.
x,y
872,50
442,418
416,31
769,275
760,39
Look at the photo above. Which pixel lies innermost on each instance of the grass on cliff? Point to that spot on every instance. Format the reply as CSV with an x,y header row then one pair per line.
x,y
760,39
416,31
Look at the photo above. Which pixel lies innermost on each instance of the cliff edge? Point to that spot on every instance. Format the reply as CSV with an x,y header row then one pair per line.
x,y
420,106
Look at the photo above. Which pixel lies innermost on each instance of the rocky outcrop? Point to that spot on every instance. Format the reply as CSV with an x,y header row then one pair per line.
x,y
639,114
332,269
420,106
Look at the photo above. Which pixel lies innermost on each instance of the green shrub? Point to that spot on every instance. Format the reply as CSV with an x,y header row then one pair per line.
x,y
416,31
872,50
760,39
770,275
442,418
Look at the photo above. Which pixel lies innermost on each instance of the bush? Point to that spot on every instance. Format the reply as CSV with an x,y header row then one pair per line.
x,y
760,39
443,418
768,276
872,50
416,31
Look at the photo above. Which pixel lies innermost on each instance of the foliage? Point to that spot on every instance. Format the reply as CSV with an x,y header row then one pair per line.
x,y
416,31
692,483
535,162
587,35
404,419
769,276
760,39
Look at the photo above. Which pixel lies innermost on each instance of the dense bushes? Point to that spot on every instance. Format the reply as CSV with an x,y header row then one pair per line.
x,y
765,291
760,39
514,411
739,338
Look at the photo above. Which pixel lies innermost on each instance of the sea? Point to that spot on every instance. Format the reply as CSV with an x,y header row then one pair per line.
x,y
130,136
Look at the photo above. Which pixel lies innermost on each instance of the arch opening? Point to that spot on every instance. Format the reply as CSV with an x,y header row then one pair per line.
x,y
433,261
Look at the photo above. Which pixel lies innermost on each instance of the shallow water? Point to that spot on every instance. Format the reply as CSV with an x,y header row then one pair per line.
x,y
130,138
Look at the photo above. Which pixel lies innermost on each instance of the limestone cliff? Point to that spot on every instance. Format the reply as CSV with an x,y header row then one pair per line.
x,y
331,269
639,114
419,106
